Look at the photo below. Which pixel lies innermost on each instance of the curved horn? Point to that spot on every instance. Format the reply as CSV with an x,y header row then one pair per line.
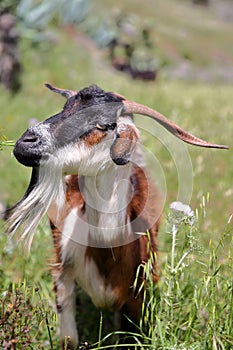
x,y
133,107
118,95
66,93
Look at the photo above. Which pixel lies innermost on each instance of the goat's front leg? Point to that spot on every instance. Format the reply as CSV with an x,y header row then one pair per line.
x,y
66,309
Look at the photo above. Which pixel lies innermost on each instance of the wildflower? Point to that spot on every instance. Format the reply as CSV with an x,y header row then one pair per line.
x,y
183,208
33,121
2,210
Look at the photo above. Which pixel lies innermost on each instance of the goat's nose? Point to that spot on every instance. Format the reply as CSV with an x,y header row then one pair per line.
x,y
28,149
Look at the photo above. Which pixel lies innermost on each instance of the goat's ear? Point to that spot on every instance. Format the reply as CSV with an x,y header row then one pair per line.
x,y
125,141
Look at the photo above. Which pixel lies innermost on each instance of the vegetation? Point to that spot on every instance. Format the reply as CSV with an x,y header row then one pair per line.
x,y
191,307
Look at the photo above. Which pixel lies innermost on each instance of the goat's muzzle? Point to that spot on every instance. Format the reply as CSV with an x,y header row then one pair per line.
x,y
29,149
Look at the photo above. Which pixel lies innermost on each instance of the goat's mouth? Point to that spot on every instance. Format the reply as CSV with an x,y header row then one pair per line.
x,y
28,159
29,155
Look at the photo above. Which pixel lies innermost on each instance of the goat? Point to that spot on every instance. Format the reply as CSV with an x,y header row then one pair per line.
x,y
89,176
120,65
124,64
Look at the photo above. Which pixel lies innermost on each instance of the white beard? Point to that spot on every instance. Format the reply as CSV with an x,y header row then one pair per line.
x,y
26,216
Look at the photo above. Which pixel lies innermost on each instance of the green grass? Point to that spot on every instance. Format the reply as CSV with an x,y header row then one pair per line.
x,y
191,307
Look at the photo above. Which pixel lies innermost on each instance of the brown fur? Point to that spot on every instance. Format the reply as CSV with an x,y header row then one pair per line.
x,y
94,137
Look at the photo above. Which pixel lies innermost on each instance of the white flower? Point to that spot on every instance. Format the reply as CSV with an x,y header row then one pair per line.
x,y
2,210
184,208
33,121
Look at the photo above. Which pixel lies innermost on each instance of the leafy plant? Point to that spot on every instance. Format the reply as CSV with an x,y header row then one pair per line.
x,y
25,315
39,14
4,142
8,6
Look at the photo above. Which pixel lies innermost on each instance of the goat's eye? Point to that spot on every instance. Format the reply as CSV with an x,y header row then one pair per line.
x,y
77,96
101,127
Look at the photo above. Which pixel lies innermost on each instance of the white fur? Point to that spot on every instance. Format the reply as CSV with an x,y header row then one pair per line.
x,y
82,159
107,197
42,130
66,297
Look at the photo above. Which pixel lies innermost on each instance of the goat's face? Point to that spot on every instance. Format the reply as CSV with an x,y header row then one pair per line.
x,y
86,131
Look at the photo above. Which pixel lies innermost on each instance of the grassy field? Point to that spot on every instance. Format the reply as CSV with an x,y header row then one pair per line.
x,y
191,307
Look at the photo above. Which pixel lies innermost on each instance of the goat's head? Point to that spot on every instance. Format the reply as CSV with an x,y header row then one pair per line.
x,y
93,129
88,117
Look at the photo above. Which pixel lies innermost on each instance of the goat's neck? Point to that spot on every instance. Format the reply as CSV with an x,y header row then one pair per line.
x,y
107,196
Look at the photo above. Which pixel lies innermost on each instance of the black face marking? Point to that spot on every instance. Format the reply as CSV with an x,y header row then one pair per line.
x,y
80,115
94,95
32,145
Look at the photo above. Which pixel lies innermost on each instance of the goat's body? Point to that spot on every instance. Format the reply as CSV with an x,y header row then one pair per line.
x,y
89,176
107,275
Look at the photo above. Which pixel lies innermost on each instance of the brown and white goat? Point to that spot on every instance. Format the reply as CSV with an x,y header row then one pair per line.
x,y
89,176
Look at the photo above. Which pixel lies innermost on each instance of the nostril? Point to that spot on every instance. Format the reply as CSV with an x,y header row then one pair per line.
x,y
30,139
